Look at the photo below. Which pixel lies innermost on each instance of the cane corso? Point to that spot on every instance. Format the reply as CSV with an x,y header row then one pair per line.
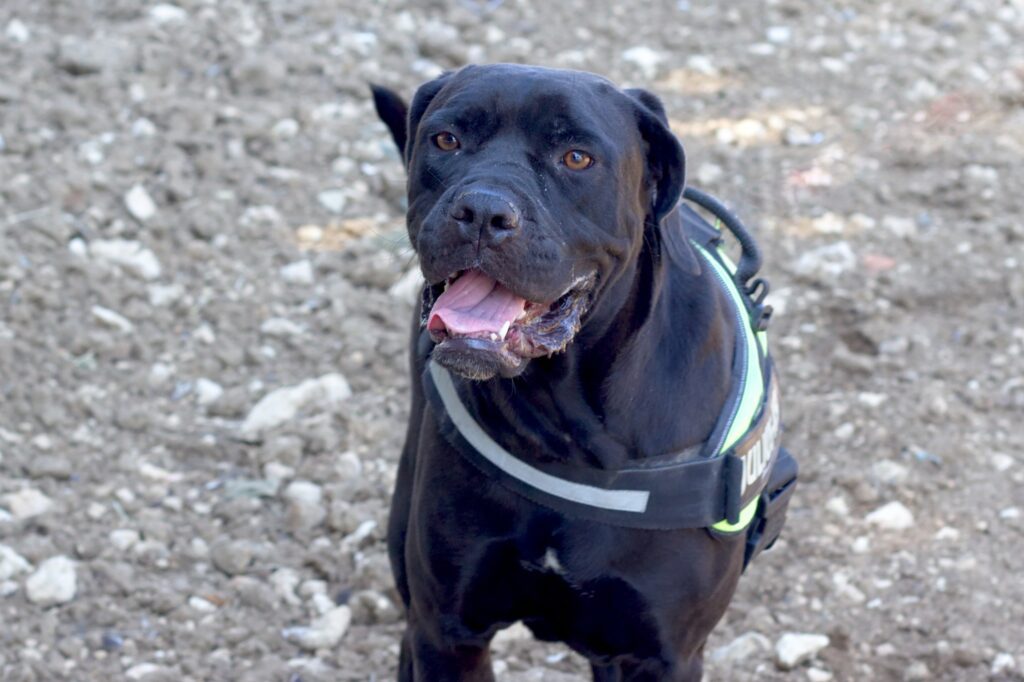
x,y
578,325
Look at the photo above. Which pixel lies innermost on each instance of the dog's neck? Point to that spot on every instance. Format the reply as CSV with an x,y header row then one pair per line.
x,y
647,375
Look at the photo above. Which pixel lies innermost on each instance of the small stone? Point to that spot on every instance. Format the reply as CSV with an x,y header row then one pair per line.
x,y
167,14
202,605
285,129
899,226
373,608
54,582
1002,462
743,647
517,632
333,200
303,492
793,648
284,581
838,506
151,672
1010,513
917,671
139,204
143,127
281,405
349,466
124,539
408,286
12,563
324,632
17,31
281,328
233,557
947,533
129,255
645,59
845,431
818,675
82,57
1003,663
827,261
299,272
892,516
207,391
890,472
113,319
26,503
49,466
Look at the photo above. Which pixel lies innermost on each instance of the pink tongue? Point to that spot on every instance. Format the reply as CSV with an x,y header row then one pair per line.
x,y
474,304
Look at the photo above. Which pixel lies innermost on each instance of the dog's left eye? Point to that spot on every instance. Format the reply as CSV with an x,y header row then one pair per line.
x,y
577,160
446,141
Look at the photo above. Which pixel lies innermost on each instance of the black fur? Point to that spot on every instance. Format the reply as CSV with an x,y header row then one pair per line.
x,y
646,375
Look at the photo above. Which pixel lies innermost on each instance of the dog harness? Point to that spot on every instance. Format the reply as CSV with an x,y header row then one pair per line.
x,y
742,478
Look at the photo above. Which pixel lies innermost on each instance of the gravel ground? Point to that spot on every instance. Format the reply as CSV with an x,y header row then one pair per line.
x,y
204,295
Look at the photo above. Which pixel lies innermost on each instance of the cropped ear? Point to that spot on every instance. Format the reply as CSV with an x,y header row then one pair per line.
x,y
666,160
392,110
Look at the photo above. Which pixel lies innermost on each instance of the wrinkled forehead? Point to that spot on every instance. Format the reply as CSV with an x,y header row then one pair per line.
x,y
547,103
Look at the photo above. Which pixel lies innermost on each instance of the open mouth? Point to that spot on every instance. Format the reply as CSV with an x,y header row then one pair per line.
x,y
482,327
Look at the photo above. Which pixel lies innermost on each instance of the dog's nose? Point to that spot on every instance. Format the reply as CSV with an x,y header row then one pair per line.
x,y
486,216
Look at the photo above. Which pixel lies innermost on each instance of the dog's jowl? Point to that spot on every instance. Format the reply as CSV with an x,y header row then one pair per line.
x,y
593,447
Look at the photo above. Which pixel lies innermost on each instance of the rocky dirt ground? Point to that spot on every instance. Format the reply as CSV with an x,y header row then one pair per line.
x,y
204,295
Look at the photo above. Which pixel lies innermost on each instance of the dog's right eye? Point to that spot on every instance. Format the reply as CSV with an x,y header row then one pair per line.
x,y
446,142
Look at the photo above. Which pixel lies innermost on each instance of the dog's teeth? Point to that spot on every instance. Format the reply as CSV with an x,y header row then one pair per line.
x,y
494,337
447,283
504,329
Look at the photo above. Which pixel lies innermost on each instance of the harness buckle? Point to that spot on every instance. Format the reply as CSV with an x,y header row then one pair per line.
x,y
771,510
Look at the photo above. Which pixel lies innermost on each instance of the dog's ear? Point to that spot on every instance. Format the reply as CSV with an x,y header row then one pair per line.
x,y
392,110
420,101
666,160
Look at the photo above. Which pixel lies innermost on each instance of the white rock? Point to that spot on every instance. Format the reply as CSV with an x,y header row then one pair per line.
x,y
140,671
207,391
779,34
837,505
113,319
1003,663
299,272
408,287
129,255
900,227
12,563
743,647
303,492
143,127
826,261
285,129
280,406
893,516
1002,461
281,327
139,203
324,632
645,59
201,605
17,31
26,503
54,582
333,200
284,581
888,471
161,295
124,539
354,539
793,648
349,466
167,14
1010,513
947,533
818,675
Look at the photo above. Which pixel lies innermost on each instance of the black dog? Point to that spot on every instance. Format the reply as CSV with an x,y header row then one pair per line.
x,y
568,320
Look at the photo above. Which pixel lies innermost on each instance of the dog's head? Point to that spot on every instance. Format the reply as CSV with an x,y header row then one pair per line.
x,y
531,193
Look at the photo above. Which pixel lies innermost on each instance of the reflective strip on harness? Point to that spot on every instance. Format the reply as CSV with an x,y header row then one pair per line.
x,y
614,500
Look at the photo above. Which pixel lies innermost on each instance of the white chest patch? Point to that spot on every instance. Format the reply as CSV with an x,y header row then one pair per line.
x,y
551,562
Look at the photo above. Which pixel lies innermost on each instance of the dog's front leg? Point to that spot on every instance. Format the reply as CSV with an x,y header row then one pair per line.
x,y
423,659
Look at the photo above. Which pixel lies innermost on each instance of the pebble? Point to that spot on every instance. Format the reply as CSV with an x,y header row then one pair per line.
x,y
793,648
124,539
12,563
917,671
888,471
81,57
349,466
150,672
113,319
49,466
207,391
281,327
281,405
167,14
1002,462
743,647
645,59
892,516
408,286
299,272
324,632
517,632
333,200
139,204
201,604
26,503
233,557
826,261
370,607
818,675
1003,663
284,581
54,582
17,31
128,255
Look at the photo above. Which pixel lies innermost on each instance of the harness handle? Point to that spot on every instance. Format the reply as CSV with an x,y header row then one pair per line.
x,y
750,260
